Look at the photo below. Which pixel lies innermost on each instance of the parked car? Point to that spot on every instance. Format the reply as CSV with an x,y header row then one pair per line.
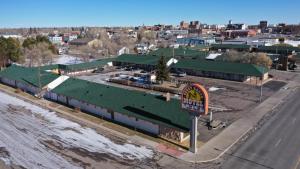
x,y
180,74
99,70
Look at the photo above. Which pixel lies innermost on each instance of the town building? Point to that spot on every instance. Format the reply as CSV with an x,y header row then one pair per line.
x,y
55,39
236,26
238,33
225,47
184,25
194,41
263,25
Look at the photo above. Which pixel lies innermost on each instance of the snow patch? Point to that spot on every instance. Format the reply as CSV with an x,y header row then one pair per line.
x,y
22,133
67,60
213,89
6,161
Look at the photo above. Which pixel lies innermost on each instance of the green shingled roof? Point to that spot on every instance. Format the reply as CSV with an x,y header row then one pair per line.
x,y
278,49
224,67
133,103
49,67
183,52
138,59
87,65
229,46
28,75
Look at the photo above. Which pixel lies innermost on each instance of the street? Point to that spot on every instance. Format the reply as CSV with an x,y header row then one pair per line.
x,y
276,145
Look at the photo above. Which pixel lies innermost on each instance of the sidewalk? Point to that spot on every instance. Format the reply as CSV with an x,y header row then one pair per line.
x,y
221,143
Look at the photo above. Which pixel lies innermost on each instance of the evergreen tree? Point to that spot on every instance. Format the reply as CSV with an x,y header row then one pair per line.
x,y
162,71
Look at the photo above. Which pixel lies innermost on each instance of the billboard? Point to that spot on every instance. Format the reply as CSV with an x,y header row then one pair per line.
x,y
194,98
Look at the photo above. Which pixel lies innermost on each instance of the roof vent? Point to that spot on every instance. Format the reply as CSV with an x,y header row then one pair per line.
x,y
168,96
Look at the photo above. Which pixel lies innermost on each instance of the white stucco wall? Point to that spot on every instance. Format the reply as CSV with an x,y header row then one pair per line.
x,y
137,123
90,108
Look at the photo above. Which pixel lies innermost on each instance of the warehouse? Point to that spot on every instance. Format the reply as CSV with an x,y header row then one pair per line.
x,y
30,80
131,108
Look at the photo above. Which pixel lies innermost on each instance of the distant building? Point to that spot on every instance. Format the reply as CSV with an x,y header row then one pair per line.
x,y
81,42
195,41
263,25
194,25
15,36
238,33
184,25
122,51
55,39
69,37
236,26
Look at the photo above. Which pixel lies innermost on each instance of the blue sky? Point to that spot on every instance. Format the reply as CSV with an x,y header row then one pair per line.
x,y
56,13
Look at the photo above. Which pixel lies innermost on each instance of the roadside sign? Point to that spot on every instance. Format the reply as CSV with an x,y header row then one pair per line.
x,y
194,98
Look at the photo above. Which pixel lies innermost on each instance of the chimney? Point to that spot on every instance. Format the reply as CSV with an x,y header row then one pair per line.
x,y
168,97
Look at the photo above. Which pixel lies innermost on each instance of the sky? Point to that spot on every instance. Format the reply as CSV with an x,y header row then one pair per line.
x,y
58,13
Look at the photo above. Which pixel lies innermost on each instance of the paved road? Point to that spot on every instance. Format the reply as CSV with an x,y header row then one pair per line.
x,y
276,145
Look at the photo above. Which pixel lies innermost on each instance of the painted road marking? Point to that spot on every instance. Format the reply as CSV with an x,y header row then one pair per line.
x,y
278,142
297,164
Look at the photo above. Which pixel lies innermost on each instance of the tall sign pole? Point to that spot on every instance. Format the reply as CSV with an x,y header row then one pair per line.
x,y
194,134
194,98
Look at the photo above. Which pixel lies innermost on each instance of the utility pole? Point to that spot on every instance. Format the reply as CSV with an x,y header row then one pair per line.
x,y
261,85
39,79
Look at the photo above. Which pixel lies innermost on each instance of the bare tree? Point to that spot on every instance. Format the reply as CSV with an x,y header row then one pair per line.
x,y
260,59
39,53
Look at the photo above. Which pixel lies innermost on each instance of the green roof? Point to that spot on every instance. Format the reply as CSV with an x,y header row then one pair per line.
x,y
278,49
133,103
49,67
183,52
153,57
28,75
224,67
229,46
138,59
87,65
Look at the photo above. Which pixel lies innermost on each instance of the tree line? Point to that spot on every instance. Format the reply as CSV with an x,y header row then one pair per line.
x,y
260,59
33,51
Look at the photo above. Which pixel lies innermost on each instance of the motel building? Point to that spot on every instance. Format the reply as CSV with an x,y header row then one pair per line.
x,y
158,116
